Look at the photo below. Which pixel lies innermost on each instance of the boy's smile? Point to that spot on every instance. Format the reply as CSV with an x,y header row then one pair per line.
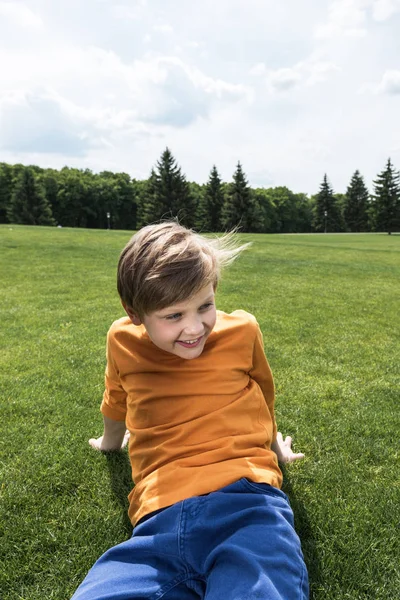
x,y
189,344
182,329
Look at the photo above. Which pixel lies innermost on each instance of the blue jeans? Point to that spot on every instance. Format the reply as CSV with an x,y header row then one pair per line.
x,y
238,543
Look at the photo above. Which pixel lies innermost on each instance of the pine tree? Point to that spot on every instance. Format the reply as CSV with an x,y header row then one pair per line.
x,y
28,203
356,204
168,194
385,207
326,215
240,208
210,206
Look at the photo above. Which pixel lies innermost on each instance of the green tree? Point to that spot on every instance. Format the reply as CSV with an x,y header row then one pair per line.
x,y
304,213
9,175
50,181
211,203
340,200
167,194
101,199
141,189
265,200
284,211
150,207
196,191
127,199
326,216
241,207
72,198
28,204
355,205
118,200
6,186
385,207
84,198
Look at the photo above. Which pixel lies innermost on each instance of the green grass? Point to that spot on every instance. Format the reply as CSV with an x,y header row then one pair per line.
x,y
329,309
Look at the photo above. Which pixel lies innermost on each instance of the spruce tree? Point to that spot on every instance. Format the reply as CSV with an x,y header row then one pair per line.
x,y
356,204
168,194
240,208
385,207
210,205
326,215
28,203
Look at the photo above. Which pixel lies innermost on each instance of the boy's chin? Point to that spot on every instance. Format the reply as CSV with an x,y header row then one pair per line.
x,y
189,355
192,357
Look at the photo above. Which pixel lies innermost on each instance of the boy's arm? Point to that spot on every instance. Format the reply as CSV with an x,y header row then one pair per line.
x,y
115,436
261,373
113,407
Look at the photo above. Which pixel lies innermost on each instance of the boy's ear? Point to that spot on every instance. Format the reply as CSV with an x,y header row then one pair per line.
x,y
133,316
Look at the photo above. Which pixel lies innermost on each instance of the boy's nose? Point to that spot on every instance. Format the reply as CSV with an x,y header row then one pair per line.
x,y
194,328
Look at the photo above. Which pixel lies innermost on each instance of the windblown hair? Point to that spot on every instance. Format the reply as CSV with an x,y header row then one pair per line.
x,y
165,264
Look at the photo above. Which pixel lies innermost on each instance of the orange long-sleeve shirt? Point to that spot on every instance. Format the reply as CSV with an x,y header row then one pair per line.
x,y
196,425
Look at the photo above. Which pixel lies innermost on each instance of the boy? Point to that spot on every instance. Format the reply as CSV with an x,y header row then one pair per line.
x,y
193,387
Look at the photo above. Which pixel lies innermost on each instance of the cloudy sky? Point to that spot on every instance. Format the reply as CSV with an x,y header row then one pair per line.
x,y
292,89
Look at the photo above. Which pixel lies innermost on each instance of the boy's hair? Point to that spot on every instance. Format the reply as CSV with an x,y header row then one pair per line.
x,y
166,263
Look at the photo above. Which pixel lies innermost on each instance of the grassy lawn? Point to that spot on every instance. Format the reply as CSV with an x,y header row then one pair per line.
x,y
329,310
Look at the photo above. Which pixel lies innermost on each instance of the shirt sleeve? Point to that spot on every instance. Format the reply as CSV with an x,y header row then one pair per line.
x,y
261,373
114,404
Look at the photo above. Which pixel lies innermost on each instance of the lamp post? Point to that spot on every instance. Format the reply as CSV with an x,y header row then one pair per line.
x,y
325,215
108,220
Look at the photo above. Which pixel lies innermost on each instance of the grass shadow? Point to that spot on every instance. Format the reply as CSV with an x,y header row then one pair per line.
x,y
305,532
120,473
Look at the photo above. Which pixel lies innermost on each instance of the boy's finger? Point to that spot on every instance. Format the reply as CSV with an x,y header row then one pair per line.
x,y
297,456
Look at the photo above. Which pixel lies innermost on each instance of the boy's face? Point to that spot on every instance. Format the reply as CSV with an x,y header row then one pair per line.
x,y
182,329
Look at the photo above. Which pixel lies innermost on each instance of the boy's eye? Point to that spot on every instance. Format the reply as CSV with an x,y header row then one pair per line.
x,y
173,317
206,306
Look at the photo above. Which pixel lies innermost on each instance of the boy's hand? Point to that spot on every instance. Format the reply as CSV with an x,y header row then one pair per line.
x,y
283,449
108,445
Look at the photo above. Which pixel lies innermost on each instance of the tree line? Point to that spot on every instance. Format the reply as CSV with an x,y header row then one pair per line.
x,y
80,198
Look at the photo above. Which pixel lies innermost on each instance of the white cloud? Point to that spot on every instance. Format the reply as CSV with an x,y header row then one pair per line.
x,y
132,11
193,44
19,14
384,9
304,73
175,93
319,71
345,18
165,28
100,87
258,69
389,84
37,123
349,18
284,79
105,99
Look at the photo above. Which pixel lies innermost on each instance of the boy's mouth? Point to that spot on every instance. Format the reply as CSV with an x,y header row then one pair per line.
x,y
190,343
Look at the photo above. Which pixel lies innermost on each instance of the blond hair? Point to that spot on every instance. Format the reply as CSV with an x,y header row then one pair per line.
x,y
166,263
